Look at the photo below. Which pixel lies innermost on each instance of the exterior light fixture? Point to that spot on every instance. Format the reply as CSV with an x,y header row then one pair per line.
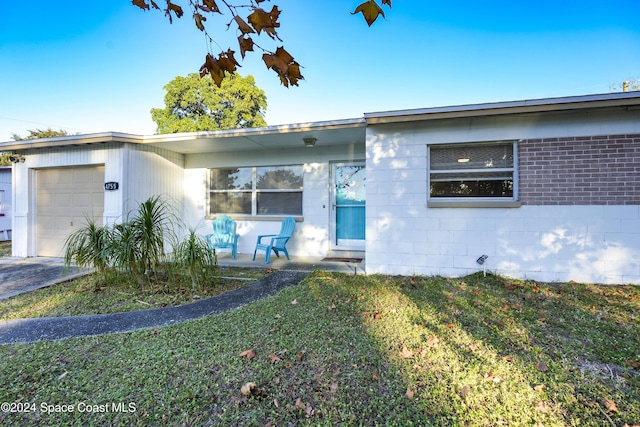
x,y
464,156
309,142
481,261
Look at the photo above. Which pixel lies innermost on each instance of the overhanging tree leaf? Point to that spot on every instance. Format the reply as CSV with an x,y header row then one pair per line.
x,y
261,20
243,26
246,44
258,21
199,20
176,9
209,6
370,10
142,4
284,65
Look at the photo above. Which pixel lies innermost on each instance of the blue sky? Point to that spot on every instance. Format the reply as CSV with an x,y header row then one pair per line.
x,y
100,66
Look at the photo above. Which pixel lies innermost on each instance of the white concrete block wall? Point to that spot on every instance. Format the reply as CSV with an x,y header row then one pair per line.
x,y
585,243
312,235
580,243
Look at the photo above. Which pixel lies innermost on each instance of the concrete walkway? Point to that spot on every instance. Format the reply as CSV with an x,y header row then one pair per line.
x,y
23,275
19,275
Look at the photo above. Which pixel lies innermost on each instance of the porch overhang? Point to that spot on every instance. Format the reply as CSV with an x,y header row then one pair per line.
x,y
336,132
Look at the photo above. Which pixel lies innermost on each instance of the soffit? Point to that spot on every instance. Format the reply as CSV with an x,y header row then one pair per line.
x,y
341,132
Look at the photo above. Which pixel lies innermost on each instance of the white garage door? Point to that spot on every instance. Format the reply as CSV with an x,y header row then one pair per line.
x,y
66,197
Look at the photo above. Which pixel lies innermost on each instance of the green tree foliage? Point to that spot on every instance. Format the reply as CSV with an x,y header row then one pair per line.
x,y
4,158
33,134
250,21
40,133
193,104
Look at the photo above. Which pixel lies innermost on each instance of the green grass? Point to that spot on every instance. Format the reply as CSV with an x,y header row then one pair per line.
x,y
90,295
356,351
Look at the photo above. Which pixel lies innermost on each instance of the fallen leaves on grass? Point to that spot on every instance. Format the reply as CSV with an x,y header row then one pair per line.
x,y
410,393
274,359
306,407
405,353
247,388
464,394
249,354
542,407
432,341
610,405
541,366
238,400
491,377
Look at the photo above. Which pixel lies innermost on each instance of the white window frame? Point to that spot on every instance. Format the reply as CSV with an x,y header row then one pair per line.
x,y
254,192
474,201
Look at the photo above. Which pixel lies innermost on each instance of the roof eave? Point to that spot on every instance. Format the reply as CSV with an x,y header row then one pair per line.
x,y
625,99
63,141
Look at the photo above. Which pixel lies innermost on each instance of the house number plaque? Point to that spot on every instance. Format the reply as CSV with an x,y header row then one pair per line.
x,y
111,186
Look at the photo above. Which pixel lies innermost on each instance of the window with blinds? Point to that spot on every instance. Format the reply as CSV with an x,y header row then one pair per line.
x,y
460,171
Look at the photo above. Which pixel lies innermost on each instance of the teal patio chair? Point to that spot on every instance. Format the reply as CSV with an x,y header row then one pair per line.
x,y
277,242
224,235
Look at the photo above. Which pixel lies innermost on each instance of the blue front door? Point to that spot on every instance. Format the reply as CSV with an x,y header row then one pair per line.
x,y
349,206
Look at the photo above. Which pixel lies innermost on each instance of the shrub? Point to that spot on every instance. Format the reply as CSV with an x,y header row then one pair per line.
x,y
89,247
194,255
139,245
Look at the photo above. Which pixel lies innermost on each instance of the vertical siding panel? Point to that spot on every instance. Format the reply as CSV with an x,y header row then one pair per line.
x,y
153,172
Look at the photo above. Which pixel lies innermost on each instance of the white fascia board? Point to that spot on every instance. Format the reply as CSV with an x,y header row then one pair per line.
x,y
252,132
623,99
61,141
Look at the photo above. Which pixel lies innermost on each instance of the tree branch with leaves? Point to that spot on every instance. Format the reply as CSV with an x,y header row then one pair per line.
x,y
255,24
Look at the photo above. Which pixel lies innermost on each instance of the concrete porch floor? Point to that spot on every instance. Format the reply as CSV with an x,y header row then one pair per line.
x,y
296,263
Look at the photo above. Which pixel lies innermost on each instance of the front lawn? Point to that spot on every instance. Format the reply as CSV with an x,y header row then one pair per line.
x,y
356,351
120,292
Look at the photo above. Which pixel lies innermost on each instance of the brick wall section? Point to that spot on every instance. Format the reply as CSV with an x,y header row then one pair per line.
x,y
596,170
